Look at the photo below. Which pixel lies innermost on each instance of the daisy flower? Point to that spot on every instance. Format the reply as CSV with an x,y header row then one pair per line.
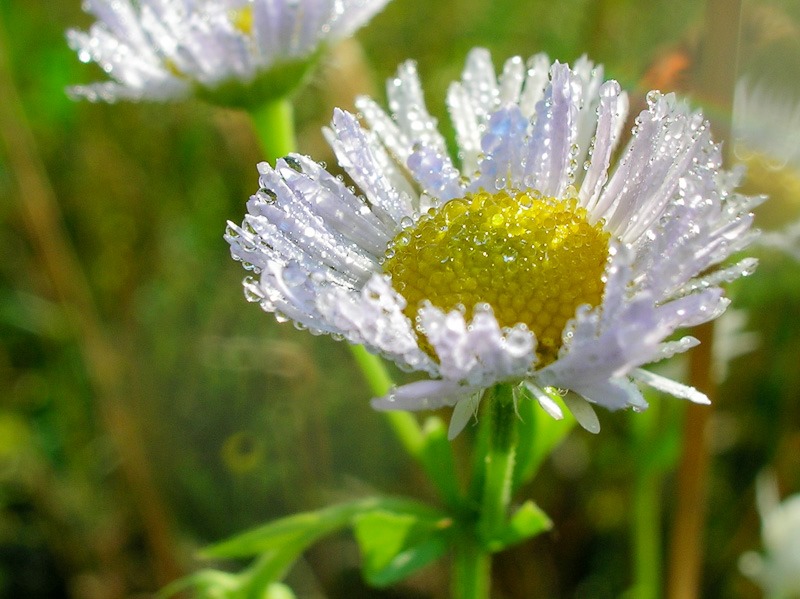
x,y
537,259
168,49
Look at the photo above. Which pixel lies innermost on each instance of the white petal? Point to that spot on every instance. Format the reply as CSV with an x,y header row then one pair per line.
x,y
552,157
666,385
422,395
504,145
479,354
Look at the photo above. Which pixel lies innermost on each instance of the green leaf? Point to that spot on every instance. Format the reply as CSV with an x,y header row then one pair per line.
x,y
394,544
214,584
205,583
305,527
278,590
301,530
528,521
539,434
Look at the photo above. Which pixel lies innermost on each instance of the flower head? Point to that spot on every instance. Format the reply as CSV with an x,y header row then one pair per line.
x,y
166,49
533,262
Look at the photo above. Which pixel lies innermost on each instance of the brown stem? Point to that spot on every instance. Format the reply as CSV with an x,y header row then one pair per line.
x,y
714,85
686,547
104,363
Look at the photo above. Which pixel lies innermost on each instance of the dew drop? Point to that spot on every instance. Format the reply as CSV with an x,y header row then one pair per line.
x,y
293,163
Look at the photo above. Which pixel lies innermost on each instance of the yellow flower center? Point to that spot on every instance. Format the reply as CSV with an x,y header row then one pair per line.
x,y
533,259
242,19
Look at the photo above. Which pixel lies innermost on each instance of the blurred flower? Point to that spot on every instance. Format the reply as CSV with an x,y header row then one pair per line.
x,y
786,240
169,49
778,570
766,124
519,267
766,131
731,340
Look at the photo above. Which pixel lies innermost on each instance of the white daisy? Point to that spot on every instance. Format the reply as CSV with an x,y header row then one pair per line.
x,y
533,263
166,49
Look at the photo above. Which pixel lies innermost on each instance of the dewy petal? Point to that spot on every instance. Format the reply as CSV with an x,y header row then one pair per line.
x,y
159,50
423,395
363,161
478,354
672,215
374,317
552,157
611,113
503,145
407,104
669,386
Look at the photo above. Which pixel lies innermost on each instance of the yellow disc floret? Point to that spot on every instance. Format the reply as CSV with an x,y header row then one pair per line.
x,y
242,19
533,259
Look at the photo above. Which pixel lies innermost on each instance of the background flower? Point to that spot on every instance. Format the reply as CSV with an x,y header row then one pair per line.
x,y
166,49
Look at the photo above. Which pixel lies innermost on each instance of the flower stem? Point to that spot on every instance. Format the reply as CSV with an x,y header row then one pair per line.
x,y
492,485
274,122
472,567
647,535
499,462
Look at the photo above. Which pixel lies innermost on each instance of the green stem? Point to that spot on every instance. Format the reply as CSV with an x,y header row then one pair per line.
x,y
493,477
646,535
499,462
472,569
274,123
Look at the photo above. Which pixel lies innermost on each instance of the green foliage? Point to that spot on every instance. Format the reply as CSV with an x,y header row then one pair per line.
x,y
526,522
396,537
394,544
213,584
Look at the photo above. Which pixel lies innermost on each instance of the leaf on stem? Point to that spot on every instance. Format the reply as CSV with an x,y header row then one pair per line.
x,y
528,521
395,544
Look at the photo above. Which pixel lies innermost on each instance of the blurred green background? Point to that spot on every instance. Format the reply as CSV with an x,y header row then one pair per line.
x,y
201,416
